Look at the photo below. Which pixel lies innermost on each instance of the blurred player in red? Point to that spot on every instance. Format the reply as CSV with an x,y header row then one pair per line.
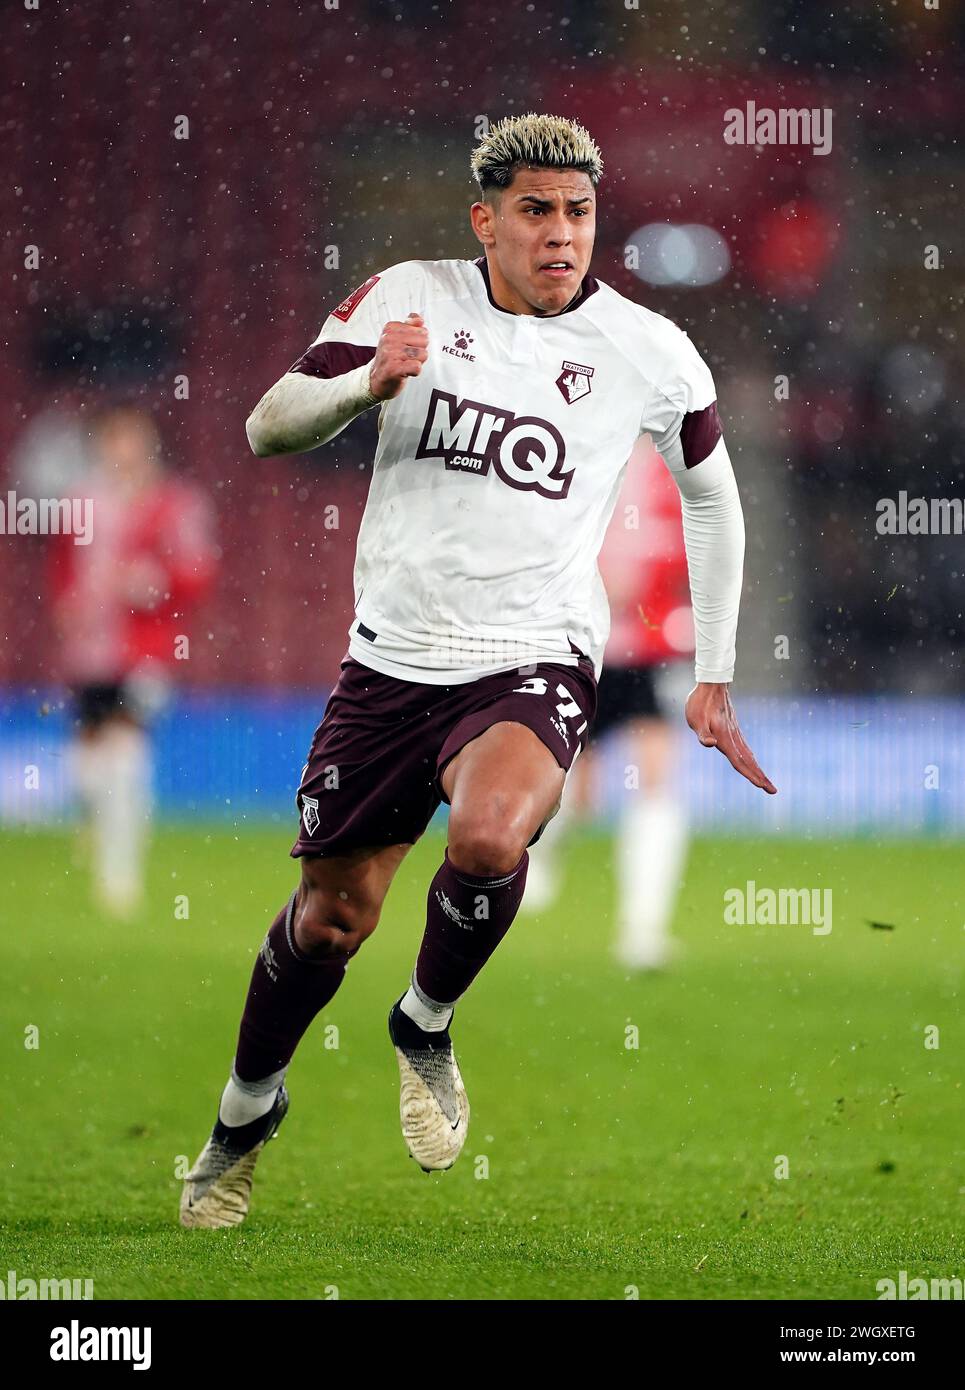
x,y
645,680
121,605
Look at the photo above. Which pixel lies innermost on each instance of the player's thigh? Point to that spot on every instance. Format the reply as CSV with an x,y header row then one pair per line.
x,y
502,786
340,898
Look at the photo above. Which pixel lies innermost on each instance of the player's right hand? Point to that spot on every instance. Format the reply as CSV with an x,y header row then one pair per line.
x,y
402,349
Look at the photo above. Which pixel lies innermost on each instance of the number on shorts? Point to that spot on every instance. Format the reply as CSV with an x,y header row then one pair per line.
x,y
535,685
567,707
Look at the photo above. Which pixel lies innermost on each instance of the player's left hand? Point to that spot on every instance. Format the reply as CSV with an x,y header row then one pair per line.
x,y
710,714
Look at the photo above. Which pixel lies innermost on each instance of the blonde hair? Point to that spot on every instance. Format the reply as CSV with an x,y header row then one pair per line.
x,y
539,142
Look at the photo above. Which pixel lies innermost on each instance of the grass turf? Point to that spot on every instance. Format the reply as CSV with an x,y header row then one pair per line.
x,y
591,1168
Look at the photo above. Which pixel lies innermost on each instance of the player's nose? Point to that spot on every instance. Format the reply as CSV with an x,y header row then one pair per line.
x,y
558,234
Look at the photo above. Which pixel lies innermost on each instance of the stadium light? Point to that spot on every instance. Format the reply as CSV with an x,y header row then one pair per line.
x,y
690,255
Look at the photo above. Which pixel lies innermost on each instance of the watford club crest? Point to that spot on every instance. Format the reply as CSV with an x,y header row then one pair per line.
x,y
310,815
574,382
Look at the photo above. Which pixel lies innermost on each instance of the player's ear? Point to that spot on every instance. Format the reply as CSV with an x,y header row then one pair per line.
x,y
482,217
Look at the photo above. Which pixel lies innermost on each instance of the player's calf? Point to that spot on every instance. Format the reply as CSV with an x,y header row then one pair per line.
x,y
501,786
467,915
299,968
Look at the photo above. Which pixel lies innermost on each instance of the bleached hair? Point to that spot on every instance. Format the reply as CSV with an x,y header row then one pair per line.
x,y
536,142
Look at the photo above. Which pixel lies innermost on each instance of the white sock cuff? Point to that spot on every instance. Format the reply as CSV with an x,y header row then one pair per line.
x,y
428,1014
266,1086
432,1004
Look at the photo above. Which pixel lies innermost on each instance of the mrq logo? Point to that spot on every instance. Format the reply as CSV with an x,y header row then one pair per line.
x,y
525,452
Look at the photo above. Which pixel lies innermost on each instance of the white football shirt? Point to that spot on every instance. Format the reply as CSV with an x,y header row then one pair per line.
x,y
498,468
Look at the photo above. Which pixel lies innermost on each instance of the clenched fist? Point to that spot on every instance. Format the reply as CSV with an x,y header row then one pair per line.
x,y
402,349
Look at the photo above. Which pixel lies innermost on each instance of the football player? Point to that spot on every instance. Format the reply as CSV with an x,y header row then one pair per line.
x,y
511,391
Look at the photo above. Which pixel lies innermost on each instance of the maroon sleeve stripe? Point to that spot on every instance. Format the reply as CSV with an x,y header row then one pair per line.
x,y
699,434
332,359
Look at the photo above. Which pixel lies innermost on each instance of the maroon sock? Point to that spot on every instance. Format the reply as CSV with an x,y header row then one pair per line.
x,y
287,990
466,919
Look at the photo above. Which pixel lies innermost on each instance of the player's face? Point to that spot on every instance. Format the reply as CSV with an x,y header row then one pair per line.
x,y
538,234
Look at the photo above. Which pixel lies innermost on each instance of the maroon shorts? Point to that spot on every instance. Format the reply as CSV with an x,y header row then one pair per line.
x,y
374,769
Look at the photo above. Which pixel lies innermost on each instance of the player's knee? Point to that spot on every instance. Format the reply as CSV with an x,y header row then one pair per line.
x,y
488,845
327,926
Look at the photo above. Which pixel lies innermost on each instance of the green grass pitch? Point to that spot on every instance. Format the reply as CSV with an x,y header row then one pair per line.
x,y
609,1168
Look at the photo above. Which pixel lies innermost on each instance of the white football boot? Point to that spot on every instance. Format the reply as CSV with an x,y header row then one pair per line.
x,y
217,1190
433,1105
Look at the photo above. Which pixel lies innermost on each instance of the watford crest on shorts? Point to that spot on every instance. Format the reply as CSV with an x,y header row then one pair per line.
x,y
574,382
310,814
